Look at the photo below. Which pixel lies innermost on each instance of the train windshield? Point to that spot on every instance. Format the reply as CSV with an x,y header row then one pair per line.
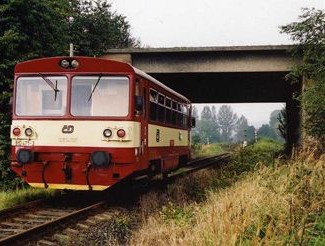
x,y
41,96
100,96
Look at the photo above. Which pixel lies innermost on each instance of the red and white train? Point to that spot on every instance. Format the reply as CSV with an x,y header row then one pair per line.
x,y
87,123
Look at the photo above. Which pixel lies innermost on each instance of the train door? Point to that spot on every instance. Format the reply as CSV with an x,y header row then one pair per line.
x,y
143,91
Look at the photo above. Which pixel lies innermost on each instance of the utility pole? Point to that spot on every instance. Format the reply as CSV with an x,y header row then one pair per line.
x,y
245,139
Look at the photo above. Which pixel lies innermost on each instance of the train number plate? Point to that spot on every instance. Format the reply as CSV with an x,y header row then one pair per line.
x,y
24,143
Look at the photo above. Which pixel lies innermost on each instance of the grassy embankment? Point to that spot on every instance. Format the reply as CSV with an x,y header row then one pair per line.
x,y
14,197
256,199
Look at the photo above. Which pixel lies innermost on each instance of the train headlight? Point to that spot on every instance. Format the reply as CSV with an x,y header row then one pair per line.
x,y
65,64
24,156
121,133
107,133
68,63
74,64
16,132
100,158
28,132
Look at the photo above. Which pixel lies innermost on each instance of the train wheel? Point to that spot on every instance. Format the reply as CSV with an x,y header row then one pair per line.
x,y
165,176
154,168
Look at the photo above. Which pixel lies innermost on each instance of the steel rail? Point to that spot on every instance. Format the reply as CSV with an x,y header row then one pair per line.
x,y
199,164
42,227
20,208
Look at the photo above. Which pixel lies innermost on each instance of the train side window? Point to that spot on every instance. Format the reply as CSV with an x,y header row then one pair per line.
x,y
144,102
174,105
168,102
188,119
179,115
161,108
185,115
179,107
161,99
168,110
153,96
138,98
174,113
153,104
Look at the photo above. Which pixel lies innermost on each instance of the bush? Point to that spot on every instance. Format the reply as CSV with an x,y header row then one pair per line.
x,y
313,102
264,151
309,32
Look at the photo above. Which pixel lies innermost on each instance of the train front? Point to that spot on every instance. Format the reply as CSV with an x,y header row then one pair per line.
x,y
72,126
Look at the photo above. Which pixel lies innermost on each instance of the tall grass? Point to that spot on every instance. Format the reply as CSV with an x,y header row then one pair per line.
x,y
13,198
273,202
273,205
207,150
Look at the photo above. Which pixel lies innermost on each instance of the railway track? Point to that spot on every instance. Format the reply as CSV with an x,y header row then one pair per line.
x,y
38,217
32,218
198,164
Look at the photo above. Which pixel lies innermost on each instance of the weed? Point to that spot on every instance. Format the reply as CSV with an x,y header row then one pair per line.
x,y
121,228
257,199
317,232
177,214
207,150
12,198
192,188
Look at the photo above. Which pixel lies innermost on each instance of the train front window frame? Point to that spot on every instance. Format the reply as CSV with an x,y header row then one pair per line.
x,y
38,96
100,96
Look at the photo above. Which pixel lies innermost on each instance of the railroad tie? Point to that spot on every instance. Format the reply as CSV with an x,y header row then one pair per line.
x,y
45,242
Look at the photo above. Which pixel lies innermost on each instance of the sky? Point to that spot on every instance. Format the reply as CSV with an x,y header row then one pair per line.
x,y
204,23
180,23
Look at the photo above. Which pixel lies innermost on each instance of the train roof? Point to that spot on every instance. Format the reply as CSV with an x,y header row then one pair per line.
x,y
89,64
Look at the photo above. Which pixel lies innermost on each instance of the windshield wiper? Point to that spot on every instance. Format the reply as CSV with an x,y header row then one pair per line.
x,y
51,84
92,92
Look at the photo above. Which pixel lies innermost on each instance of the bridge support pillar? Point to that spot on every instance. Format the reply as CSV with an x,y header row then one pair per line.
x,y
294,118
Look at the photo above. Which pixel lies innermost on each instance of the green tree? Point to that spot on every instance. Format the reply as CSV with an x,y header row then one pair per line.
x,y
282,127
206,125
206,113
275,121
265,131
243,131
195,130
95,28
226,120
38,28
251,133
214,114
215,135
28,29
195,112
309,34
208,128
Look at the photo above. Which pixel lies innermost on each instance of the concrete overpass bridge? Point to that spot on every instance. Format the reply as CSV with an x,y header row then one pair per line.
x,y
223,75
